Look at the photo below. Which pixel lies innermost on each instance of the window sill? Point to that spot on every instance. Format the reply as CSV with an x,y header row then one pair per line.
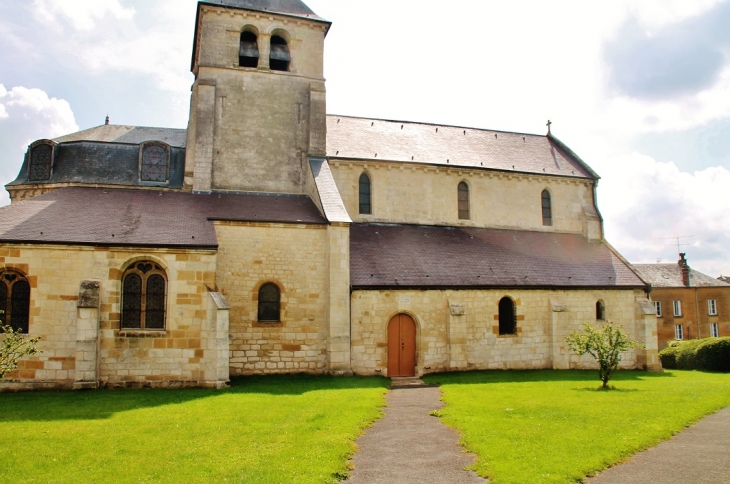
x,y
142,333
507,335
268,324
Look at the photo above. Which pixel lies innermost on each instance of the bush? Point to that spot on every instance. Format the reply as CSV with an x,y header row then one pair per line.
x,y
714,355
669,357
687,354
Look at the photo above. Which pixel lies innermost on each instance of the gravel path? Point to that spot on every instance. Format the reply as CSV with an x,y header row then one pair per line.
x,y
698,455
410,446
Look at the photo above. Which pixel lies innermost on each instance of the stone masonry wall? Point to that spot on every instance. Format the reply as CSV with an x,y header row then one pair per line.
x,y
424,194
447,341
295,258
176,356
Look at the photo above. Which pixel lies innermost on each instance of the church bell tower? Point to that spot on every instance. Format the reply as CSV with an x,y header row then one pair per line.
x,y
257,109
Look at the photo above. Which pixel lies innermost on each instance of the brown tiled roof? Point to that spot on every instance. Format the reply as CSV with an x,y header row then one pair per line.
x,y
149,218
670,275
415,256
376,139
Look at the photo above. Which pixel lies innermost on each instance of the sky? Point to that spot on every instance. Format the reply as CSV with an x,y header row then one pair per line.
x,y
639,90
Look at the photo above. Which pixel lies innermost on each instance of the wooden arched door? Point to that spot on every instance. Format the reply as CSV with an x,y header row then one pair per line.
x,y
401,346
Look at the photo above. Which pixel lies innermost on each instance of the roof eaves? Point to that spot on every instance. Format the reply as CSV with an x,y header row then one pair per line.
x,y
573,155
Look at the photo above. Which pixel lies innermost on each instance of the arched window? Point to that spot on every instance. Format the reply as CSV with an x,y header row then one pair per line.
x,y
463,201
365,195
40,166
547,210
279,57
248,53
14,301
269,303
507,318
154,162
143,296
600,311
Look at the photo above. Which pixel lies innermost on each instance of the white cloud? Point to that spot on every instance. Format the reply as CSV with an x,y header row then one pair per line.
x,y
30,114
81,14
645,203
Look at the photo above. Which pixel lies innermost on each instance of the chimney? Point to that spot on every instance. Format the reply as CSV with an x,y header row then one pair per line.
x,y
684,267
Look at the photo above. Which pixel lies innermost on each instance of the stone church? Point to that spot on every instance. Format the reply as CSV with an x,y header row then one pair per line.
x,y
271,237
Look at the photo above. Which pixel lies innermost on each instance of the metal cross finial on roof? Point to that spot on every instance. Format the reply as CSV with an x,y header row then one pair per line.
x,y
107,119
548,125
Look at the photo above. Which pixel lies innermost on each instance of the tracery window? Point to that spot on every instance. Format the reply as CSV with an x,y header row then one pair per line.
x,y
143,296
248,53
463,195
14,300
269,303
279,56
600,311
507,316
40,162
547,210
154,163
365,195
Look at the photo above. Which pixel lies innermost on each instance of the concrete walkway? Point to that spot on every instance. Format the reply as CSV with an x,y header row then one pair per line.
x,y
698,455
410,446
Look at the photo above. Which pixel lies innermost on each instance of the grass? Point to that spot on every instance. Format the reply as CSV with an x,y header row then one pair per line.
x,y
262,430
558,426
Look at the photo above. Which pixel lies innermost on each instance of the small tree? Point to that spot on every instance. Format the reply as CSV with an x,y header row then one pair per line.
x,y
14,346
605,344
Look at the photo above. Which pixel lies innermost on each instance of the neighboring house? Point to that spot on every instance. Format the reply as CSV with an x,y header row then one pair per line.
x,y
688,303
270,237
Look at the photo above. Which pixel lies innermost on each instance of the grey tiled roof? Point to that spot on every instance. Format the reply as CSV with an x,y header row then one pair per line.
x,y
128,134
334,207
375,139
150,218
102,163
415,256
295,8
670,275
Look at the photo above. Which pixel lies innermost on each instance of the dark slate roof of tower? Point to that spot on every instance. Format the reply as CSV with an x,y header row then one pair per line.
x,y
148,218
670,275
417,256
410,142
128,134
295,8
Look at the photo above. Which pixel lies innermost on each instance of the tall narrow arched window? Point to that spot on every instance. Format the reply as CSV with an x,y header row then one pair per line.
x,y
40,162
463,194
507,316
144,296
269,303
248,53
365,195
547,210
600,311
279,56
14,301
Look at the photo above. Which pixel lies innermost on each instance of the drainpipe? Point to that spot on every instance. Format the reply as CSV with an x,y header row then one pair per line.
x,y
697,312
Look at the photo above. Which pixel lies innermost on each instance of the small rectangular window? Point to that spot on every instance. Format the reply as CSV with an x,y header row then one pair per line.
x,y
714,330
677,308
658,308
712,307
678,332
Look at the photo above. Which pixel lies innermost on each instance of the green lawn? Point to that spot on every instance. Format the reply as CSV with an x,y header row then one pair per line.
x,y
557,426
263,430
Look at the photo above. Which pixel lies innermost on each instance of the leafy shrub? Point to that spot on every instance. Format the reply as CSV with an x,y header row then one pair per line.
x,y
687,354
669,357
714,355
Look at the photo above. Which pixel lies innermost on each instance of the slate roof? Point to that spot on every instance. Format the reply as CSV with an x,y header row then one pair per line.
x,y
329,195
416,256
128,134
149,218
670,275
295,8
377,139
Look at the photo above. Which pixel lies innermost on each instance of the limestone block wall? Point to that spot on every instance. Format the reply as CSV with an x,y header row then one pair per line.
x,y
447,340
296,259
425,194
176,356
